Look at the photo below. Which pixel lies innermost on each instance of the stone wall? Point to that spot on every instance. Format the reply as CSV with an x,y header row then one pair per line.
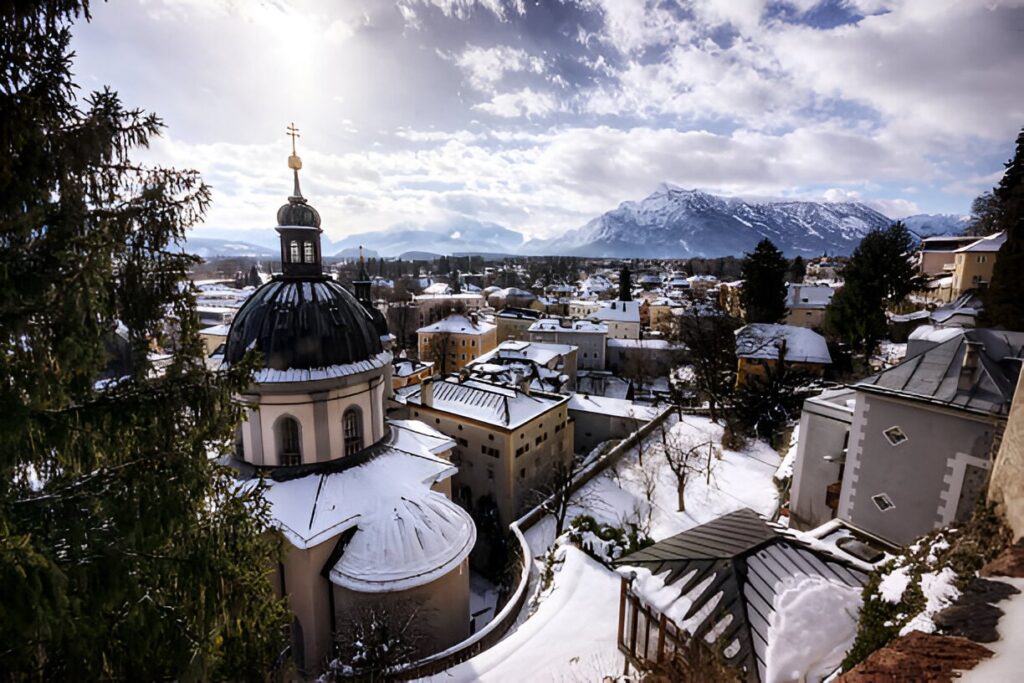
x,y
1006,487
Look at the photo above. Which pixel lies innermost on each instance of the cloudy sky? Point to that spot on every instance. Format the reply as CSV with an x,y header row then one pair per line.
x,y
540,114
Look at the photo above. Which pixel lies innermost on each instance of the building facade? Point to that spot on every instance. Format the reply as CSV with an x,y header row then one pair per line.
x,y
456,341
509,441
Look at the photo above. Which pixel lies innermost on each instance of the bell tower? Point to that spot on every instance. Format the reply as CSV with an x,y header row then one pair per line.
x,y
298,225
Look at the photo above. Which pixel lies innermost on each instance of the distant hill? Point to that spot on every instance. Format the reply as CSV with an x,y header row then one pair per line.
x,y
458,235
674,222
928,224
208,247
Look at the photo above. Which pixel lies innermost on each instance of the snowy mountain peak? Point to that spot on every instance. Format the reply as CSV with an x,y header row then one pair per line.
x,y
677,222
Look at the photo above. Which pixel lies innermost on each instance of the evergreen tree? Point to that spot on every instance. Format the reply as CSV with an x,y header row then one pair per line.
x,y
880,273
1004,306
764,284
984,215
125,552
797,270
625,285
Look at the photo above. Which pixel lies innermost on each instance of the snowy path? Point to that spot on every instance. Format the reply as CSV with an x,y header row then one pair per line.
x,y
571,635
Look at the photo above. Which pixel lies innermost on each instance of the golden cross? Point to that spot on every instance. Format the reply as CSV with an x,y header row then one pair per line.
x,y
294,133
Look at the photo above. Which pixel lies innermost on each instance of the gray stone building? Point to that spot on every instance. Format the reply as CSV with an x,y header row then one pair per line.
x,y
922,438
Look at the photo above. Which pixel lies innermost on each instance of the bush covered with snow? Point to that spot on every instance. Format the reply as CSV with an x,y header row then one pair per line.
x,y
604,542
903,594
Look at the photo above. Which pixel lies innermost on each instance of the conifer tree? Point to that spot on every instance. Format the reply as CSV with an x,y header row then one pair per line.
x,y
125,551
764,284
879,273
797,269
1004,306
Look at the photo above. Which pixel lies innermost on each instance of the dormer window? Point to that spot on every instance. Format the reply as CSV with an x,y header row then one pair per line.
x,y
307,255
293,252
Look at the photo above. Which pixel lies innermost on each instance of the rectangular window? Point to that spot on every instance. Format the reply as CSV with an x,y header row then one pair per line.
x,y
883,502
462,442
895,436
307,252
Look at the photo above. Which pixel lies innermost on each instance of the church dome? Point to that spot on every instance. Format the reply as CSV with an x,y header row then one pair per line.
x,y
304,324
298,213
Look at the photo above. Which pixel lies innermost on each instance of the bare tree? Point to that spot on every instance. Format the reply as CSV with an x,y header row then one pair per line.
x,y
708,334
558,494
439,346
686,457
377,638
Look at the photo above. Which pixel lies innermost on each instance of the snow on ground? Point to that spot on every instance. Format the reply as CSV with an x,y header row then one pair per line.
x,y
567,633
939,591
799,649
483,597
1006,664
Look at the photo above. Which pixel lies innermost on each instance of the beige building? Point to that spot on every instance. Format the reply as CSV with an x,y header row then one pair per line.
x,y
806,304
509,439
362,504
213,337
938,254
622,318
659,313
514,323
406,371
429,308
759,346
455,341
973,264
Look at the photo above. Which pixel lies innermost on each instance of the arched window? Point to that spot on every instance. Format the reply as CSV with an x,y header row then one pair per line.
x,y
352,429
293,252
307,248
289,449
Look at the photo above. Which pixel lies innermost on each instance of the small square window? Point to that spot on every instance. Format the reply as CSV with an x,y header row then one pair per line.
x,y
883,502
895,436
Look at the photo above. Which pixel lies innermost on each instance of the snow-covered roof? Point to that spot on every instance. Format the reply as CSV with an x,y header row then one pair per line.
x,y
762,340
463,296
405,534
502,406
458,324
513,292
616,407
540,353
406,367
653,344
272,376
554,325
936,335
985,244
767,616
216,330
415,436
618,311
809,296
518,313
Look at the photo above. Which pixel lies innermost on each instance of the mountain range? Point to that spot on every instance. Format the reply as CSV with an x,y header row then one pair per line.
x,y
672,222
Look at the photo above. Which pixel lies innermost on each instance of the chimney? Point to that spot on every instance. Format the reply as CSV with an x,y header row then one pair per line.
x,y
427,393
969,368
564,322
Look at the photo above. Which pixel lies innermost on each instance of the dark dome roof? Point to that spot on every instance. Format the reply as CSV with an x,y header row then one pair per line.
x,y
304,324
298,212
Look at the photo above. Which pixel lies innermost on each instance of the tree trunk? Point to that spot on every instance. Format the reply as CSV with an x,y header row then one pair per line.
x,y
680,491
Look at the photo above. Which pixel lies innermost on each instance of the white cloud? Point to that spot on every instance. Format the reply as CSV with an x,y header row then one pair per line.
x,y
485,67
526,102
930,68
632,25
